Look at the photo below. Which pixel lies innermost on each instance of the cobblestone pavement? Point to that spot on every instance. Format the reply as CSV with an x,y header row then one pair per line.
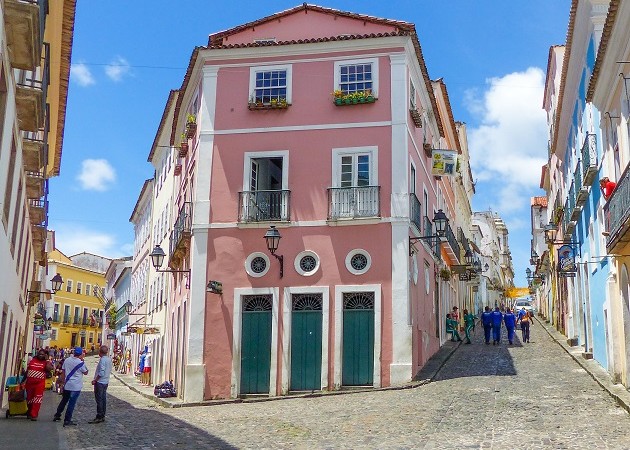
x,y
528,396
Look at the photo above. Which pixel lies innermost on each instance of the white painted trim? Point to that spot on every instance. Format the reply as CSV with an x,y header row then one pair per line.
x,y
337,153
325,126
349,257
298,258
237,329
286,333
351,61
338,344
248,264
247,163
262,68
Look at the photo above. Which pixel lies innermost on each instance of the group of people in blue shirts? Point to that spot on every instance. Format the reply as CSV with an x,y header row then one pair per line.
x,y
492,321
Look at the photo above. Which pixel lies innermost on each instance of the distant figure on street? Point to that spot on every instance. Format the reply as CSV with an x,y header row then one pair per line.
x,y
497,318
607,187
486,321
455,315
147,368
469,323
451,327
509,319
100,382
526,319
72,374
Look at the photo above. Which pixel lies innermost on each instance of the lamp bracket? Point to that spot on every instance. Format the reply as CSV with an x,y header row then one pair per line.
x,y
433,241
281,259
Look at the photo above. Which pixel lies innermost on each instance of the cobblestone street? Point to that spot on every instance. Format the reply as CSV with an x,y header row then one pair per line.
x,y
501,397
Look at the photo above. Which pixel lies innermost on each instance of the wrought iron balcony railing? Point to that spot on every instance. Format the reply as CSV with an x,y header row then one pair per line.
x,y
182,227
264,206
452,241
67,320
415,212
76,321
617,213
589,159
354,202
428,231
581,191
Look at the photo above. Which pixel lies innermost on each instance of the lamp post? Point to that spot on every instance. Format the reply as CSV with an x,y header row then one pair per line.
x,y
441,222
55,285
157,259
272,238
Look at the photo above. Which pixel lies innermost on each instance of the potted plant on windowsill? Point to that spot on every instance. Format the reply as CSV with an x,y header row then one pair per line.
x,y
191,126
178,169
183,146
353,98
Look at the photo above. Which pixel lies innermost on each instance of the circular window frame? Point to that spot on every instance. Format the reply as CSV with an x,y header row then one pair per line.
x,y
298,258
248,264
351,255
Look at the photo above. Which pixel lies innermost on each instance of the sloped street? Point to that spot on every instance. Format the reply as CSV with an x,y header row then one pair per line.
x,y
526,395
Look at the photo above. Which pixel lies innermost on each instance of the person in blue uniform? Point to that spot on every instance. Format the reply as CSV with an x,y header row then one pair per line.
x,y
486,321
497,319
509,319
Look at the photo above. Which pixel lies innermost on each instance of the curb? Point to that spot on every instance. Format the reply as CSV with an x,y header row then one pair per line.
x,y
617,391
426,375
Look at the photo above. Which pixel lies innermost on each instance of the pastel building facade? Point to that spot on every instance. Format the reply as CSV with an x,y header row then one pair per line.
x,y
344,300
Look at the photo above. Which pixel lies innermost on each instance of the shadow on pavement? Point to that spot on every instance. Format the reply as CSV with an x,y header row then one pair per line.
x,y
126,426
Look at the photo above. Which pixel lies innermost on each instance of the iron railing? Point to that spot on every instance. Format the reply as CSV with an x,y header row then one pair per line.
x,y
182,226
67,319
617,209
415,212
354,202
428,231
452,241
38,80
77,321
263,206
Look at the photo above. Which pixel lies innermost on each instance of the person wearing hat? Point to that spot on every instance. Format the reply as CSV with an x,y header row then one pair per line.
x,y
72,373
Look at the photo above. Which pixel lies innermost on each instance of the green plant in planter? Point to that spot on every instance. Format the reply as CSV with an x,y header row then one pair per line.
x,y
191,118
445,274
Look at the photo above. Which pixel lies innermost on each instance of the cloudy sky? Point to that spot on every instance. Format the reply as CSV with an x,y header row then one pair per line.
x,y
491,54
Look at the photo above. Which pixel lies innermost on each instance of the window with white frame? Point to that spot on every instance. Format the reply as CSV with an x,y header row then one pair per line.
x,y
355,167
269,83
79,287
68,285
357,76
88,289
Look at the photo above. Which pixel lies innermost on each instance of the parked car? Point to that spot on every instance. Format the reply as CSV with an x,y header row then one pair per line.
x,y
523,303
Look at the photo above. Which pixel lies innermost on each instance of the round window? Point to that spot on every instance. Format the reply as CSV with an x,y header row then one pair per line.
x,y
257,264
358,261
306,263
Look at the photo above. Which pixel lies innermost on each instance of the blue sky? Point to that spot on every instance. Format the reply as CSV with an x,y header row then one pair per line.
x,y
492,55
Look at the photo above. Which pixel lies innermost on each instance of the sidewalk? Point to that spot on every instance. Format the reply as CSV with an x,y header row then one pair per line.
x,y
592,367
424,376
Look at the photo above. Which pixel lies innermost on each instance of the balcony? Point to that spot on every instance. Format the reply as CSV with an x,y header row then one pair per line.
x,y
39,235
35,185
34,152
67,320
24,24
264,206
617,213
55,318
428,231
452,247
76,321
415,213
38,210
581,191
180,236
589,159
30,95
358,202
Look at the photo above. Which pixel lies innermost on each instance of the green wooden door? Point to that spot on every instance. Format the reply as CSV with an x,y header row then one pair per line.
x,y
306,342
358,339
256,344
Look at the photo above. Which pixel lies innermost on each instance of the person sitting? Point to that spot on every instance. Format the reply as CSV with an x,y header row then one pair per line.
x,y
607,187
451,327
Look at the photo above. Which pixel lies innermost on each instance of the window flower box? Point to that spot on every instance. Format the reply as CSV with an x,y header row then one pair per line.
x,y
191,126
353,98
178,170
257,104
183,149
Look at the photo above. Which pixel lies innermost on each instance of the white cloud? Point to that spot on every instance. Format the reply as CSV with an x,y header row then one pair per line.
x,y
117,69
73,239
508,149
96,175
81,74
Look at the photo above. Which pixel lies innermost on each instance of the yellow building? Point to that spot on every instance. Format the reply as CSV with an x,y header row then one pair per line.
x,y
77,310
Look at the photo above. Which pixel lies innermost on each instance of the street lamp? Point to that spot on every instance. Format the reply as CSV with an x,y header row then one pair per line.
x,y
157,258
534,256
129,308
469,258
272,238
56,283
441,222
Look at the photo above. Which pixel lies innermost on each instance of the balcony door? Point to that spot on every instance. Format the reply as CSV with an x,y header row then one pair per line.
x,y
265,186
354,192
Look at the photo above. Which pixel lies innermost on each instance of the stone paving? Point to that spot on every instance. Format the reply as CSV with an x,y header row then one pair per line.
x,y
529,396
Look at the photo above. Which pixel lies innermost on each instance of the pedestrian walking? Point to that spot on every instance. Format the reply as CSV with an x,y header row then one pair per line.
x,y
486,321
147,368
497,319
526,319
36,372
100,383
469,323
72,374
509,319
451,327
